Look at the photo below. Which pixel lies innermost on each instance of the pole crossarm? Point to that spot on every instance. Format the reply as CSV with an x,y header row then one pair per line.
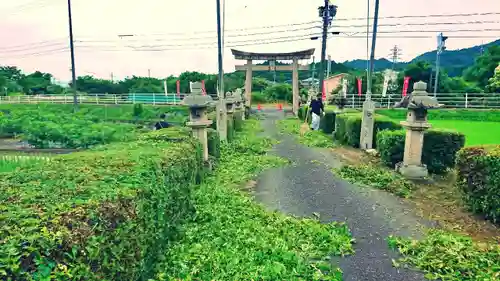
x,y
300,55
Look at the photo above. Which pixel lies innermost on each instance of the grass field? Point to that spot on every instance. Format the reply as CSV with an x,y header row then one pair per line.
x,y
476,132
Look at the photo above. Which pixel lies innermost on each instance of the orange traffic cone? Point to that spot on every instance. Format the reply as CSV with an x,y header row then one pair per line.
x,y
280,107
259,107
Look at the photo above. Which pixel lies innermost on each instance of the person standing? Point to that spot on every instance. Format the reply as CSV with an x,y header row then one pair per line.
x,y
316,108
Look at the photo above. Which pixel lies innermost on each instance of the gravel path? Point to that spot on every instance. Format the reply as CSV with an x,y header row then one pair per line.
x,y
308,186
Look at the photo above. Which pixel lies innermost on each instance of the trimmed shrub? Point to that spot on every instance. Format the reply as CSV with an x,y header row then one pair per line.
x,y
213,143
349,128
107,214
301,113
447,114
230,129
479,179
238,122
439,151
327,124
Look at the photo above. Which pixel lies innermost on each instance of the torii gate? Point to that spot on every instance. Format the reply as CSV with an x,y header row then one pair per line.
x,y
272,58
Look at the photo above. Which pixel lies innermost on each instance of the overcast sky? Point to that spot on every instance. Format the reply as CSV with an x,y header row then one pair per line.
x,y
172,36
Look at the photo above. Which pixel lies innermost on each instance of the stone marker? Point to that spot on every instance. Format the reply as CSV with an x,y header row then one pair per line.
x,y
230,105
198,105
237,95
416,123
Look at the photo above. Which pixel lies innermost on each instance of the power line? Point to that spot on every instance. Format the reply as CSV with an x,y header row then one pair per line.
x,y
426,16
419,24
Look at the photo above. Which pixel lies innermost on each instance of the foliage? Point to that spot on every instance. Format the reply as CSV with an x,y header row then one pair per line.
x,y
238,121
100,215
213,143
484,67
138,110
234,238
230,129
327,123
438,153
348,128
479,179
379,178
494,83
9,163
309,138
491,115
447,256
301,113
279,92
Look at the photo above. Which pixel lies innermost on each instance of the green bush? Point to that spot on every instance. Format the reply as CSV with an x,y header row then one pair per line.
x,y
349,128
108,214
230,129
213,143
447,114
258,97
479,179
238,121
301,113
327,124
439,150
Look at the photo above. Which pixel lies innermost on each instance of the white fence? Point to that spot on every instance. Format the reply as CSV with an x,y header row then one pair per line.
x,y
449,100
132,98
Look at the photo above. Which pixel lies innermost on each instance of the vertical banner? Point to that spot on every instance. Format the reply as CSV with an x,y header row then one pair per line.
x,y
360,83
323,94
178,83
344,87
204,91
386,85
405,85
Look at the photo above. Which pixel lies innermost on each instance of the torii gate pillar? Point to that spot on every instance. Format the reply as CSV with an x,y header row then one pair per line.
x,y
248,84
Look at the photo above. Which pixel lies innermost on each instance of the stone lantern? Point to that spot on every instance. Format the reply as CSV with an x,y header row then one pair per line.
x,y
418,102
198,121
237,95
230,105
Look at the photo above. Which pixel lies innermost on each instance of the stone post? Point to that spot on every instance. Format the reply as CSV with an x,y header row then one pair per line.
x,y
295,86
230,106
367,123
239,103
416,124
248,84
198,121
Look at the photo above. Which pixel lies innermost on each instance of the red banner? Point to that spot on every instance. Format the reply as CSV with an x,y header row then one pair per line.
x,y
203,90
323,94
360,83
405,85
178,83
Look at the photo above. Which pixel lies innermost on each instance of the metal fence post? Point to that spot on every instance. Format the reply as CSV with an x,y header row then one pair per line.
x,y
133,98
116,100
96,98
154,99
466,100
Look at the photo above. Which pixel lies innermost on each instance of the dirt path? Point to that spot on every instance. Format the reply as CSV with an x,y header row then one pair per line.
x,y
308,186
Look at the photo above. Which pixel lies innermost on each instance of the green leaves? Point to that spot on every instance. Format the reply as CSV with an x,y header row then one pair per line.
x,y
447,256
376,177
234,238
309,138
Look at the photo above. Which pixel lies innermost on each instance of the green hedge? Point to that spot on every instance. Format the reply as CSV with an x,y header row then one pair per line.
x,y
348,128
213,143
447,114
439,151
106,214
238,121
479,179
327,123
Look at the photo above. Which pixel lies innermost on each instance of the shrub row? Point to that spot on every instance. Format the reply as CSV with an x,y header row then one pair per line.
x,y
447,114
348,128
439,150
479,179
105,214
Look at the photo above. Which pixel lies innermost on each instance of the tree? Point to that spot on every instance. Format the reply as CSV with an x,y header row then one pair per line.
x,y
494,83
484,67
35,83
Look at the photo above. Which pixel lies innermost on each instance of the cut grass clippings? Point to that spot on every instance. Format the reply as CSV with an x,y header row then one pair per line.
x,y
234,238
309,138
370,175
446,256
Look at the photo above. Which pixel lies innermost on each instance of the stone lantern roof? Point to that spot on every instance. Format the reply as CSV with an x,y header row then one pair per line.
x,y
420,98
196,98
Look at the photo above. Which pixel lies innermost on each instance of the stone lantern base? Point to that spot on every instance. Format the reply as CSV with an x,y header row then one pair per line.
x,y
412,172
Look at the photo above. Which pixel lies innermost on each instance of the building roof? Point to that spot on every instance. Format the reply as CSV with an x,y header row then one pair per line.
x,y
241,55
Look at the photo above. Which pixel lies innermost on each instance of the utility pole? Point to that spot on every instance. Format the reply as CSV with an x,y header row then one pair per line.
x,y
367,37
72,50
329,66
327,12
367,122
313,72
149,73
222,117
440,48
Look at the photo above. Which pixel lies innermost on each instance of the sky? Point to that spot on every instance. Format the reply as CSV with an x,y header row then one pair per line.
x,y
167,37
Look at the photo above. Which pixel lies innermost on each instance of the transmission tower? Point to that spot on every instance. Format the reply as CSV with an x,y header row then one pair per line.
x,y
395,55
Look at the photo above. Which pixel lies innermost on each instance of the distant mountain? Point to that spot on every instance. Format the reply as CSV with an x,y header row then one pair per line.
x,y
454,61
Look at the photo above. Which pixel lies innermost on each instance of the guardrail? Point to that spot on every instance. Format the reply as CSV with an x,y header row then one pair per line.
x,y
132,98
449,100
